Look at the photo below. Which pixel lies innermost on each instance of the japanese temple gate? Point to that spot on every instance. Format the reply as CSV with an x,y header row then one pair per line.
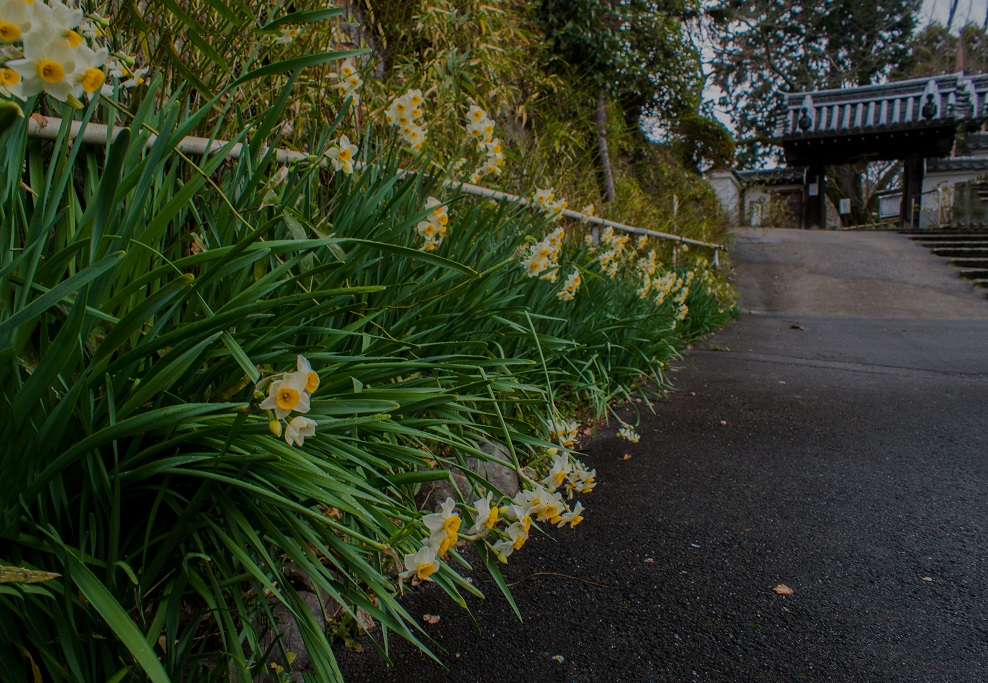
x,y
910,121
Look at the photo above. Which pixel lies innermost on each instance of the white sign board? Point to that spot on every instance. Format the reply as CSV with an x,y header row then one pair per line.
x,y
845,206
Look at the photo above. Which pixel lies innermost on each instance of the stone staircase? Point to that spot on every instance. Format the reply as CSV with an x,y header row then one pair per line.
x,y
965,249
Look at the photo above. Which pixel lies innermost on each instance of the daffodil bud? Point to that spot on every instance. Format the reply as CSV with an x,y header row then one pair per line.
x,y
74,102
274,426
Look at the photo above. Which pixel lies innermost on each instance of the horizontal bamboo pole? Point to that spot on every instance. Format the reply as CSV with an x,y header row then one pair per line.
x,y
46,128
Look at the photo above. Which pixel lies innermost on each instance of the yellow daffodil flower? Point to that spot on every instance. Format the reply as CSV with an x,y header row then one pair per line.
x,y
422,564
573,517
443,526
311,378
341,156
628,433
287,394
486,516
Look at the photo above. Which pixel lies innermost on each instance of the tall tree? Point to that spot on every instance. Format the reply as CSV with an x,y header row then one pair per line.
x,y
766,47
634,51
933,51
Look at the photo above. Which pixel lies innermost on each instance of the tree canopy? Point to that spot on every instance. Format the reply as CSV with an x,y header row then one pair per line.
x,y
635,49
765,47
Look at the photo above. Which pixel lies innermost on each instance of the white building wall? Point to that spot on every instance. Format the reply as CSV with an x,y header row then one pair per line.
x,y
728,191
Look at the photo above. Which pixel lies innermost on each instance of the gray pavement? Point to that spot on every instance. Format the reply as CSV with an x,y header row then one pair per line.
x,y
848,274
834,439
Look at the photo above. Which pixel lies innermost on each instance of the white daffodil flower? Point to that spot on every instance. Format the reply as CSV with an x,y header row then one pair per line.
x,y
477,130
414,98
421,565
61,17
549,505
137,77
561,467
447,519
533,266
10,83
87,69
287,394
486,516
287,35
342,156
48,66
18,17
299,428
311,377
581,479
426,229
517,535
628,433
413,134
442,541
443,527
573,517
476,115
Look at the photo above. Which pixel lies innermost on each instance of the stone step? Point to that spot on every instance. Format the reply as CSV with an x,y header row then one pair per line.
x,y
927,238
950,244
968,252
955,229
962,262
973,273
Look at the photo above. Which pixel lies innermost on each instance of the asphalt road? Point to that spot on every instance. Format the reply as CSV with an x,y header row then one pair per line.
x,y
834,440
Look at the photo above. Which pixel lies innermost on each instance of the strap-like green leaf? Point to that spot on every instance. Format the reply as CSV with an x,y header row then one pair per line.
x,y
116,618
303,18
57,293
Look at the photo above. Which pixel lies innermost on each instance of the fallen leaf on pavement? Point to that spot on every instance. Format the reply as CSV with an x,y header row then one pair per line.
x,y
431,618
927,578
783,589
627,456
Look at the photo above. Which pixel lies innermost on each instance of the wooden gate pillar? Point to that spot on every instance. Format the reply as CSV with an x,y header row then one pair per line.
x,y
912,191
814,198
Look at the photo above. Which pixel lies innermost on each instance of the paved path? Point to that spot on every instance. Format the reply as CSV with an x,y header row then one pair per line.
x,y
834,440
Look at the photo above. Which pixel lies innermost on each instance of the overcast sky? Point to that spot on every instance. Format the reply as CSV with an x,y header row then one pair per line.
x,y
967,10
